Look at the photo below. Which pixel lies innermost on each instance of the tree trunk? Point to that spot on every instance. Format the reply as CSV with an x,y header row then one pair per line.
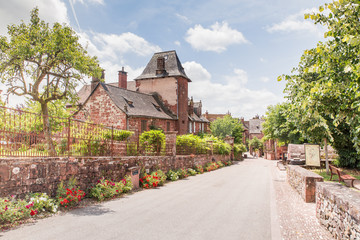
x,y
47,129
326,156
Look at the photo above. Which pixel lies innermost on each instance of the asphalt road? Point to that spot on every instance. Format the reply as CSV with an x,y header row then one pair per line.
x,y
235,202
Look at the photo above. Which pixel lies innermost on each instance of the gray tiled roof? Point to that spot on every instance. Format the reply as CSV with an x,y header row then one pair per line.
x,y
194,118
137,104
255,125
173,66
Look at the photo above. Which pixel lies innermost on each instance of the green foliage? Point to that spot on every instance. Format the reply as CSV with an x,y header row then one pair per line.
x,y
189,143
153,180
12,210
106,189
42,202
69,194
152,142
256,144
227,126
199,169
118,135
238,150
211,167
191,172
279,124
220,164
172,175
182,173
324,89
219,146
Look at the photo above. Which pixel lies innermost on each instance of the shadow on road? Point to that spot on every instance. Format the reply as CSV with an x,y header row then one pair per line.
x,y
95,210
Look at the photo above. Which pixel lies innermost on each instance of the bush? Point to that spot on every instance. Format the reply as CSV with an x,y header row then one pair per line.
x,y
191,144
191,172
154,179
42,202
172,175
118,135
211,167
152,142
220,164
12,210
69,194
106,189
238,150
182,173
199,169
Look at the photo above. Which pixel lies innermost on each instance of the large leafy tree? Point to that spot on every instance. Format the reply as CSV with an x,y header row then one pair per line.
x,y
279,124
324,88
227,126
44,63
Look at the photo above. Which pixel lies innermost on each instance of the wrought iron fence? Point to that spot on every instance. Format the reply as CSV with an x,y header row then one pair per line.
x,y
22,135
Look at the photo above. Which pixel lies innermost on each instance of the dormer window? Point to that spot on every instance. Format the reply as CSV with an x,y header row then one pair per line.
x,y
130,103
157,107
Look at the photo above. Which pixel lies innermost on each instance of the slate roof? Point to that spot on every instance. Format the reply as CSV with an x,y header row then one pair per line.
x,y
173,66
255,125
136,104
195,118
85,91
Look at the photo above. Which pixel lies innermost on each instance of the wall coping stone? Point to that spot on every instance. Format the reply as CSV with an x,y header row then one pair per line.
x,y
342,195
304,172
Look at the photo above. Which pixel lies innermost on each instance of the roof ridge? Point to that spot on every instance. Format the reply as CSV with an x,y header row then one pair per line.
x,y
148,94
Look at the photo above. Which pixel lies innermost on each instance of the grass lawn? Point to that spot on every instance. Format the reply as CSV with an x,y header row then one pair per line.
x,y
353,172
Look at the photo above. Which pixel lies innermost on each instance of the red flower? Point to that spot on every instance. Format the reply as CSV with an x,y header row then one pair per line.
x,y
32,213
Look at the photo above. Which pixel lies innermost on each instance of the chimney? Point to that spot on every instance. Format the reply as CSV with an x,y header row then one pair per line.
x,y
95,81
191,106
122,79
160,66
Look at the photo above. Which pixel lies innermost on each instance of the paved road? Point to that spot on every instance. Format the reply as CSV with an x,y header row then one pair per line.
x,y
235,202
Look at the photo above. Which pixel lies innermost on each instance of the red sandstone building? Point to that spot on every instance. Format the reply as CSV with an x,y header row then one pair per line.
x,y
158,98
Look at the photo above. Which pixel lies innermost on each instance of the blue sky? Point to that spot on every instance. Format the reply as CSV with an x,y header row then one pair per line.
x,y
233,50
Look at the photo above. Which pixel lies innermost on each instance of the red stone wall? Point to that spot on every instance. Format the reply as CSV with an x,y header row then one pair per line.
x,y
100,109
22,176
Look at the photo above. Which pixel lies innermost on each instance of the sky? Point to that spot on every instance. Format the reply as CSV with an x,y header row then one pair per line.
x,y
232,50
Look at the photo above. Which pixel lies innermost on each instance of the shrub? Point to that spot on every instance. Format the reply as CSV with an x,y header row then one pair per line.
x,y
182,173
69,194
219,146
220,164
211,167
172,175
199,169
12,210
228,163
106,189
238,150
154,179
191,172
42,202
118,135
191,144
152,142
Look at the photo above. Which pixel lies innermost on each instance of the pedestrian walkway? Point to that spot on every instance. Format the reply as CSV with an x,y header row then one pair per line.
x,y
297,219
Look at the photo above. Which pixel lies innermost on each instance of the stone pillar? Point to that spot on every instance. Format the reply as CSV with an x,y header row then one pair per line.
x,y
171,143
230,140
134,173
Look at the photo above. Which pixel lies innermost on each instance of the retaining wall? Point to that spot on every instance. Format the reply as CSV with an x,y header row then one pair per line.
x,y
338,209
21,176
303,181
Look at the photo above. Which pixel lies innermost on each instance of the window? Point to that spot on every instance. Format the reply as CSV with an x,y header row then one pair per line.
x,y
194,127
190,127
143,125
168,126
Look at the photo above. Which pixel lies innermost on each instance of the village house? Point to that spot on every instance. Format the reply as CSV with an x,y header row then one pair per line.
x,y
158,98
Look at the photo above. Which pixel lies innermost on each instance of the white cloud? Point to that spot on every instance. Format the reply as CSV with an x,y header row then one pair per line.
x,y
89,1
177,43
232,94
263,60
264,79
216,38
12,12
183,18
296,23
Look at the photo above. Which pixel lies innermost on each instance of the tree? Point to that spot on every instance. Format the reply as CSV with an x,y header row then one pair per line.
x,y
324,89
279,124
256,144
227,126
44,64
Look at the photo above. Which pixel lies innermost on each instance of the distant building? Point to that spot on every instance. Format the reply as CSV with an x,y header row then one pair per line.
x,y
212,117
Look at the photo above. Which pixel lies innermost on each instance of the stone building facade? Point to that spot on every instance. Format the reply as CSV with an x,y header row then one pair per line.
x,y
158,98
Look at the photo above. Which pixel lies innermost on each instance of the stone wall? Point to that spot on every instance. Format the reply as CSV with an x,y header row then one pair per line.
x,y
303,181
21,176
338,209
